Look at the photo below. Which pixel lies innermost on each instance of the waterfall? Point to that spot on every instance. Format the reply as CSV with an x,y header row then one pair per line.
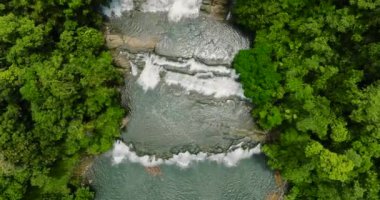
x,y
157,5
121,152
116,7
187,109
177,9
183,93
184,9
217,81
150,76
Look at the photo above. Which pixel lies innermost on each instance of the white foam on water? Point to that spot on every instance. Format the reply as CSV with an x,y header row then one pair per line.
x,y
184,9
150,76
116,7
232,158
121,152
134,69
184,160
177,9
157,5
217,86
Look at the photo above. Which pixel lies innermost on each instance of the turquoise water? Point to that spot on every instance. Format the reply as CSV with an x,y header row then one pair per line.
x,y
249,180
169,120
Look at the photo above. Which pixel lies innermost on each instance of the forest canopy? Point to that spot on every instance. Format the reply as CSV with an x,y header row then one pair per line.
x,y
313,75
58,96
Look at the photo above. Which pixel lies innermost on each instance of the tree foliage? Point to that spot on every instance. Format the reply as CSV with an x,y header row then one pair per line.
x,y
313,75
58,96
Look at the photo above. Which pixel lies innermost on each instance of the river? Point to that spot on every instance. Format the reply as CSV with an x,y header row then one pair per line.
x,y
190,134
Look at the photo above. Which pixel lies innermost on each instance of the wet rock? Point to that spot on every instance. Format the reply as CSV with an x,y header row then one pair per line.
x,y
249,144
274,196
138,4
135,44
114,41
204,39
184,70
208,41
191,148
278,179
82,169
124,122
206,8
175,150
217,149
206,2
219,9
174,46
219,12
122,61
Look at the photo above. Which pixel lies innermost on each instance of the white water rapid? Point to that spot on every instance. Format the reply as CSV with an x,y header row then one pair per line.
x,y
121,152
217,81
177,9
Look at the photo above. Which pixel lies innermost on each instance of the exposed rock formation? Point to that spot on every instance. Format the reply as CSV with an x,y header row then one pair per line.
x,y
217,8
204,39
114,41
274,196
132,44
135,44
278,194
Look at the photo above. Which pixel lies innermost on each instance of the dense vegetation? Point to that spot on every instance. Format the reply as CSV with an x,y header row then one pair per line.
x,y
57,96
313,74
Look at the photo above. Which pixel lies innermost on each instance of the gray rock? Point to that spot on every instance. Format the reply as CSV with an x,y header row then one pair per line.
x,y
114,41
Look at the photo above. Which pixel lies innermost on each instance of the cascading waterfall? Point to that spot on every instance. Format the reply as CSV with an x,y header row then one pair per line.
x,y
177,9
189,133
217,81
122,152
204,81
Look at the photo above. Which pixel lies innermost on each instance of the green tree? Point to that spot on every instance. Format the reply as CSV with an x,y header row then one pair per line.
x,y
325,101
58,96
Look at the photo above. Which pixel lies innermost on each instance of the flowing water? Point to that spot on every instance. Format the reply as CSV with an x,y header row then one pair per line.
x,y
189,134
250,180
